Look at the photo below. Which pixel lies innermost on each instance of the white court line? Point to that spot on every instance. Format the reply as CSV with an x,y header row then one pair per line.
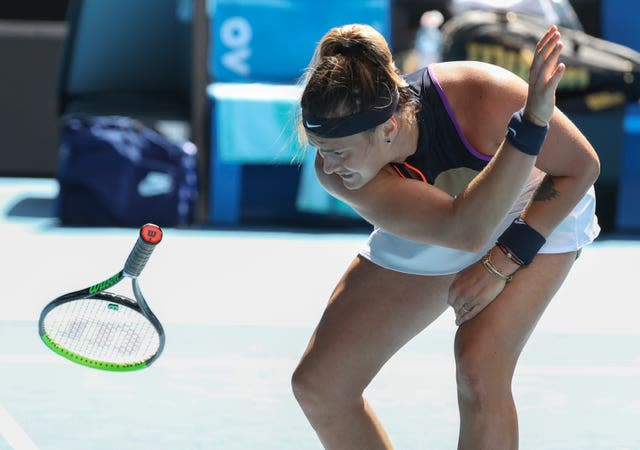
x,y
13,433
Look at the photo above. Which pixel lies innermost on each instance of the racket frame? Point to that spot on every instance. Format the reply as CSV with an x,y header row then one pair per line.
x,y
133,267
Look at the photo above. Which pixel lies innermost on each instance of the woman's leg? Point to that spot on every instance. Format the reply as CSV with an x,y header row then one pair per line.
x,y
372,313
488,346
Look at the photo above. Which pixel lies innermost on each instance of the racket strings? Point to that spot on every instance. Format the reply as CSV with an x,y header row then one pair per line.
x,y
102,330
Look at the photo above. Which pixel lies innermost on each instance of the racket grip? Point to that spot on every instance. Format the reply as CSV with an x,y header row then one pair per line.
x,y
150,236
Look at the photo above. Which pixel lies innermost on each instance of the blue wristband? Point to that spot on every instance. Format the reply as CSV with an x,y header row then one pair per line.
x,y
522,240
524,135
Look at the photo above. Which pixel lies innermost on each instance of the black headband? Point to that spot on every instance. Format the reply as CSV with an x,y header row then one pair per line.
x,y
355,123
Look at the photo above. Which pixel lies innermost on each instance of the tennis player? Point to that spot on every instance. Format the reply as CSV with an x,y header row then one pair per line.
x,y
480,192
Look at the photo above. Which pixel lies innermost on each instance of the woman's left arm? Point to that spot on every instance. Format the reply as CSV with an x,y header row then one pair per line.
x,y
571,166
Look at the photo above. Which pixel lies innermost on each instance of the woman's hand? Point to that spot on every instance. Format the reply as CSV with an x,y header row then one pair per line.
x,y
544,75
475,287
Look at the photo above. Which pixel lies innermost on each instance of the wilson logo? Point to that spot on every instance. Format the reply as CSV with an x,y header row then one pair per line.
x,y
105,284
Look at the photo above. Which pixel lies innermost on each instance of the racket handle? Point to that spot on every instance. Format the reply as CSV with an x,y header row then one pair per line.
x,y
150,236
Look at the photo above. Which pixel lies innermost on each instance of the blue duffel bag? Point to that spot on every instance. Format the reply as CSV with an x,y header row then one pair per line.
x,y
115,171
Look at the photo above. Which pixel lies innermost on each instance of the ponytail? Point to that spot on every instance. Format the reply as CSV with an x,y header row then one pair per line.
x,y
352,71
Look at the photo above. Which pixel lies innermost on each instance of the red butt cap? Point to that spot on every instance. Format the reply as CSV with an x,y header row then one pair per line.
x,y
151,234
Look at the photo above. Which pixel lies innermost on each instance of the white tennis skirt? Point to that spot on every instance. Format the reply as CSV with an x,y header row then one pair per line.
x,y
578,229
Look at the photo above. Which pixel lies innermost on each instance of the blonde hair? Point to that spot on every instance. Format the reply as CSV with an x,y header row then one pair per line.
x,y
351,70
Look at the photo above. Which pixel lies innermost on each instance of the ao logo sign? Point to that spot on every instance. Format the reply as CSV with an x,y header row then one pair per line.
x,y
236,34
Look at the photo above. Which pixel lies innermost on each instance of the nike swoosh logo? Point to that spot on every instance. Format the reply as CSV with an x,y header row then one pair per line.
x,y
310,125
513,131
155,183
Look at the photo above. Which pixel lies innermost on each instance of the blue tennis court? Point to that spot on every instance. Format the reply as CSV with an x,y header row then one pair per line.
x,y
238,308
239,302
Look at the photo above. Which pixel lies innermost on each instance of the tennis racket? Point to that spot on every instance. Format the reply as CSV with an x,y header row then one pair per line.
x,y
104,330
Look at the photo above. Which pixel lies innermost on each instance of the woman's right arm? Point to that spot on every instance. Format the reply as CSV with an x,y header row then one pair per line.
x,y
420,212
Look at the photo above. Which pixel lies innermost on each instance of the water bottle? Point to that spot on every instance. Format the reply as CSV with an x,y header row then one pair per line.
x,y
428,43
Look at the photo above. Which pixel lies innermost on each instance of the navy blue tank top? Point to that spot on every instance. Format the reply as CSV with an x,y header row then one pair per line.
x,y
443,158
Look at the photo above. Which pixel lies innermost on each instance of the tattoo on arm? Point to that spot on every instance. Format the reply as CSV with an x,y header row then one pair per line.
x,y
546,190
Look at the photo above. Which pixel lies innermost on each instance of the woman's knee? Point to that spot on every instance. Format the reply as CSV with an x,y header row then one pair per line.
x,y
483,371
319,392
306,385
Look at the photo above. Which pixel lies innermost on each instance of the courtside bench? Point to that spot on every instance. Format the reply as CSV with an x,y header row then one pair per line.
x,y
259,170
